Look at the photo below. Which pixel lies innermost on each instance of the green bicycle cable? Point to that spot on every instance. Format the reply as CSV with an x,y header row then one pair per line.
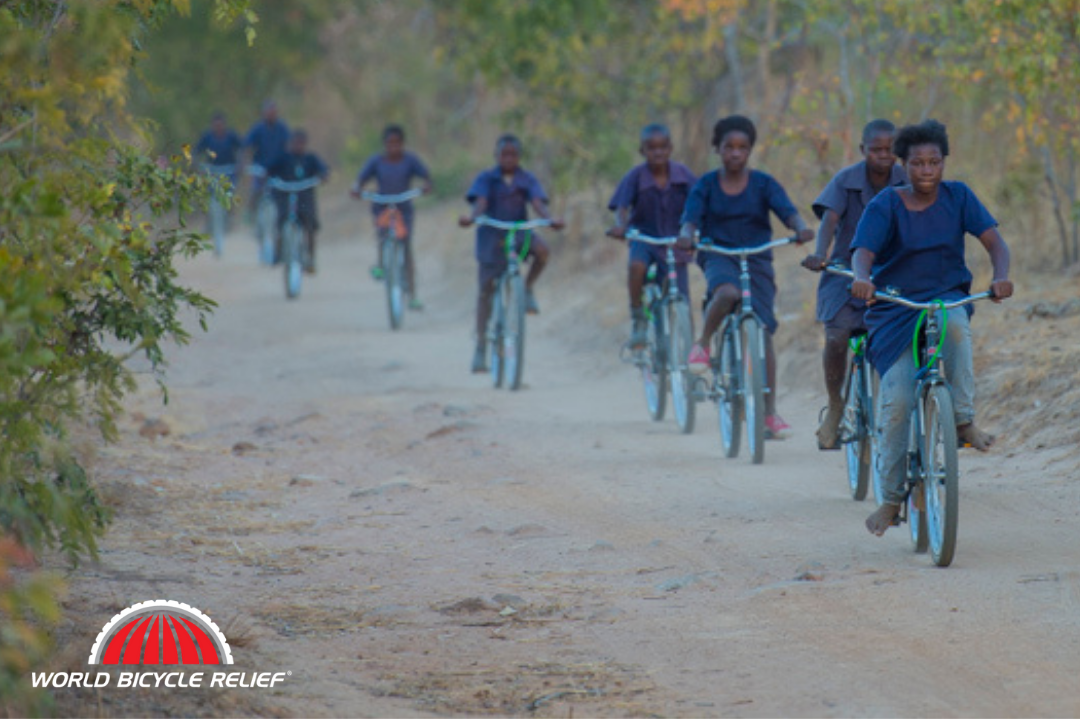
x,y
936,354
510,235
858,344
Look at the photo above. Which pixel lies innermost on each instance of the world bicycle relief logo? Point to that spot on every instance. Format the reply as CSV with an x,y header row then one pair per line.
x,y
160,644
161,631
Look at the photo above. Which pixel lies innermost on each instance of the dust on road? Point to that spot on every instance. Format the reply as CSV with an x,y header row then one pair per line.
x,y
353,506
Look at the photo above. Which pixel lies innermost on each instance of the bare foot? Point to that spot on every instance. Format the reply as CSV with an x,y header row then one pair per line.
x,y
971,436
882,519
828,432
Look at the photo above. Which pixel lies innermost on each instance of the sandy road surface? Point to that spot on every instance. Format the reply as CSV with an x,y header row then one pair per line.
x,y
388,507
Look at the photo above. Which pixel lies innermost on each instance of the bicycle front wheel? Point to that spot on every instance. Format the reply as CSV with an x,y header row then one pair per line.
x,y
727,387
514,334
942,480
856,432
653,366
216,216
265,219
496,328
753,371
681,333
393,261
291,238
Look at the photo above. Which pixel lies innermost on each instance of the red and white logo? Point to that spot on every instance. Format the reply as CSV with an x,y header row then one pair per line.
x,y
161,631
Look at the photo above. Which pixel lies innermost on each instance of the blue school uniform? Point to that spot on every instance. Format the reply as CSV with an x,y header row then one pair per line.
x,y
740,221
656,211
218,150
847,194
919,253
393,178
269,141
508,202
293,168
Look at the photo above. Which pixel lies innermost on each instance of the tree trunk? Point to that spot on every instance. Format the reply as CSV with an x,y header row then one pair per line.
x,y
731,54
1055,201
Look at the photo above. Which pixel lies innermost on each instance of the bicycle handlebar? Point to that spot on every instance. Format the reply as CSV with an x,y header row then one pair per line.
x,y
502,225
219,169
706,245
255,170
649,240
297,186
891,294
392,199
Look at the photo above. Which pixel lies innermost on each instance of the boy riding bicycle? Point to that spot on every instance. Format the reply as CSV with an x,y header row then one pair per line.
x,y
504,192
650,198
298,164
393,171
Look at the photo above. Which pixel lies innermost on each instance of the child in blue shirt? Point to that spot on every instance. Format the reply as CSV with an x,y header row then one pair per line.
x,y
268,139
839,207
218,145
731,206
504,192
912,238
298,164
650,198
393,171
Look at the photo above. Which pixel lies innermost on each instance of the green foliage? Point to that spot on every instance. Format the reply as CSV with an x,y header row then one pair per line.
x,y
90,231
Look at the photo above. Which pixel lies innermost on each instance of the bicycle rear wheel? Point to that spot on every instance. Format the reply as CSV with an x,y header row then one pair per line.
x,y
514,332
291,237
942,474
496,327
216,217
855,431
682,382
730,403
653,367
393,262
753,370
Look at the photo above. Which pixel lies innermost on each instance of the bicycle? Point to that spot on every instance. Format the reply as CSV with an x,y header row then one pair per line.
x,y
738,361
295,253
671,335
506,328
265,216
932,497
857,423
393,234
220,201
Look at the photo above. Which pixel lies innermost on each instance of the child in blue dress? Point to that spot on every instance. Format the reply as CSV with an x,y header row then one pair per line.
x,y
912,238
731,206
839,207
650,199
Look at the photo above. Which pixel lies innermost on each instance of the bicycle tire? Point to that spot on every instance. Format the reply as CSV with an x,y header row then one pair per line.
x,y
393,266
496,324
753,369
729,406
681,331
514,334
857,445
943,475
292,265
653,368
265,219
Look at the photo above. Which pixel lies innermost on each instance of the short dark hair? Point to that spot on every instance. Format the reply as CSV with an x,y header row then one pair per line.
x,y
218,115
877,127
929,132
391,130
733,123
507,139
655,128
299,134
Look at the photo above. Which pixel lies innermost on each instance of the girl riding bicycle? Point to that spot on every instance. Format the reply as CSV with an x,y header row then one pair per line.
x,y
912,238
731,207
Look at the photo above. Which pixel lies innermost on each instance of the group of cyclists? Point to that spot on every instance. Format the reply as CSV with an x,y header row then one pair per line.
x,y
892,219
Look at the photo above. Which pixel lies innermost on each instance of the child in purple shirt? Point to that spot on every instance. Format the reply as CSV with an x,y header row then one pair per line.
x,y
839,207
393,172
650,199
504,192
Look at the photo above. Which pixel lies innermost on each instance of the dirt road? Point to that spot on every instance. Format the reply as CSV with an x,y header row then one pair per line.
x,y
354,506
